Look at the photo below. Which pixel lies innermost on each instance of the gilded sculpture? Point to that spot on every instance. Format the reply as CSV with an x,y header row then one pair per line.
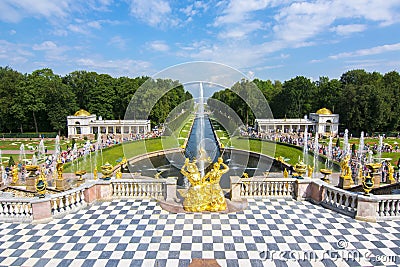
x,y
205,193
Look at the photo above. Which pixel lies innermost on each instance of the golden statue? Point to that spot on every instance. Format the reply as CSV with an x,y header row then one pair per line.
x,y
205,193
118,174
217,201
285,173
95,174
310,171
60,167
196,198
344,165
390,173
41,184
14,173
245,175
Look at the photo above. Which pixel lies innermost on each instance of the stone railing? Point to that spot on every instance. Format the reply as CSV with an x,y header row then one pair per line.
x,y
40,210
262,187
388,207
68,201
340,200
139,188
16,209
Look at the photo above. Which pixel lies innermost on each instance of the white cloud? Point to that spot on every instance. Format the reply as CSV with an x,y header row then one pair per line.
x,y
160,46
46,45
156,13
349,29
118,42
302,21
13,53
52,51
119,67
15,10
369,51
237,19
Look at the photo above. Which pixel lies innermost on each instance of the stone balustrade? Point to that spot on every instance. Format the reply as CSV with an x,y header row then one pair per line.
x,y
369,208
388,206
16,209
139,188
68,201
340,200
267,187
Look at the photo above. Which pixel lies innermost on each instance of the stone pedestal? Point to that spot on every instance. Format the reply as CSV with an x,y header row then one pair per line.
x,y
80,182
235,188
62,185
171,189
345,182
30,183
376,176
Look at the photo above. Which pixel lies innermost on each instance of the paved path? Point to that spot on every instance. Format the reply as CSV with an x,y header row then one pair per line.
x,y
139,232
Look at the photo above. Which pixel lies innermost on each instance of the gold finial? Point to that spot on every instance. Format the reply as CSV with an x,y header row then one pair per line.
x,y
285,173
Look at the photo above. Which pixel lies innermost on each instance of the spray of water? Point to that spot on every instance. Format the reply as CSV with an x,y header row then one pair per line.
x,y
305,147
316,152
200,130
380,146
330,153
22,154
346,143
41,150
57,149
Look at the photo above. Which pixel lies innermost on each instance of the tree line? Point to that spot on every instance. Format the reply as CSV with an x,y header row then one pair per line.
x,y
365,101
41,101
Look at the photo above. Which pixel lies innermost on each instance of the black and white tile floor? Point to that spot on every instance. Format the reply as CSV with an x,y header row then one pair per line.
x,y
138,232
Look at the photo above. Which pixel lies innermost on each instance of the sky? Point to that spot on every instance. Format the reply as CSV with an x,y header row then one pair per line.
x,y
265,39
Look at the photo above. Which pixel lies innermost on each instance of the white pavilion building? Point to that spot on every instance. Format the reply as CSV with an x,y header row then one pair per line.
x,y
322,122
82,124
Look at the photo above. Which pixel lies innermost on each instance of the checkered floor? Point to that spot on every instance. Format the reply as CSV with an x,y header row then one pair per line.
x,y
139,232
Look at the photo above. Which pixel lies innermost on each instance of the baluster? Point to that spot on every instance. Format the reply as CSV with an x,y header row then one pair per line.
x,y
1,208
397,207
262,189
26,209
82,197
6,208
134,189
139,189
381,208
67,204
392,208
55,208
387,208
129,191
11,209
345,201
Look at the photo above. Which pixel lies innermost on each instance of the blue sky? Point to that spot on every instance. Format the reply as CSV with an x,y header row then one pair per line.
x,y
271,39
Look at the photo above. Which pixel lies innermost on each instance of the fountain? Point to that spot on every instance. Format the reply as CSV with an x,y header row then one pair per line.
x,y
305,147
380,146
346,143
41,150
22,154
316,153
34,160
57,149
75,157
202,145
360,156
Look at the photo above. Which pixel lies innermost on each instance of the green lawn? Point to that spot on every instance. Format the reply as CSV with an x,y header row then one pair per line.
x,y
114,153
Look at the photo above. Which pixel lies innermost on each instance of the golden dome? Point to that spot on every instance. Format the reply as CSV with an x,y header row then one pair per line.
x,y
324,111
82,112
